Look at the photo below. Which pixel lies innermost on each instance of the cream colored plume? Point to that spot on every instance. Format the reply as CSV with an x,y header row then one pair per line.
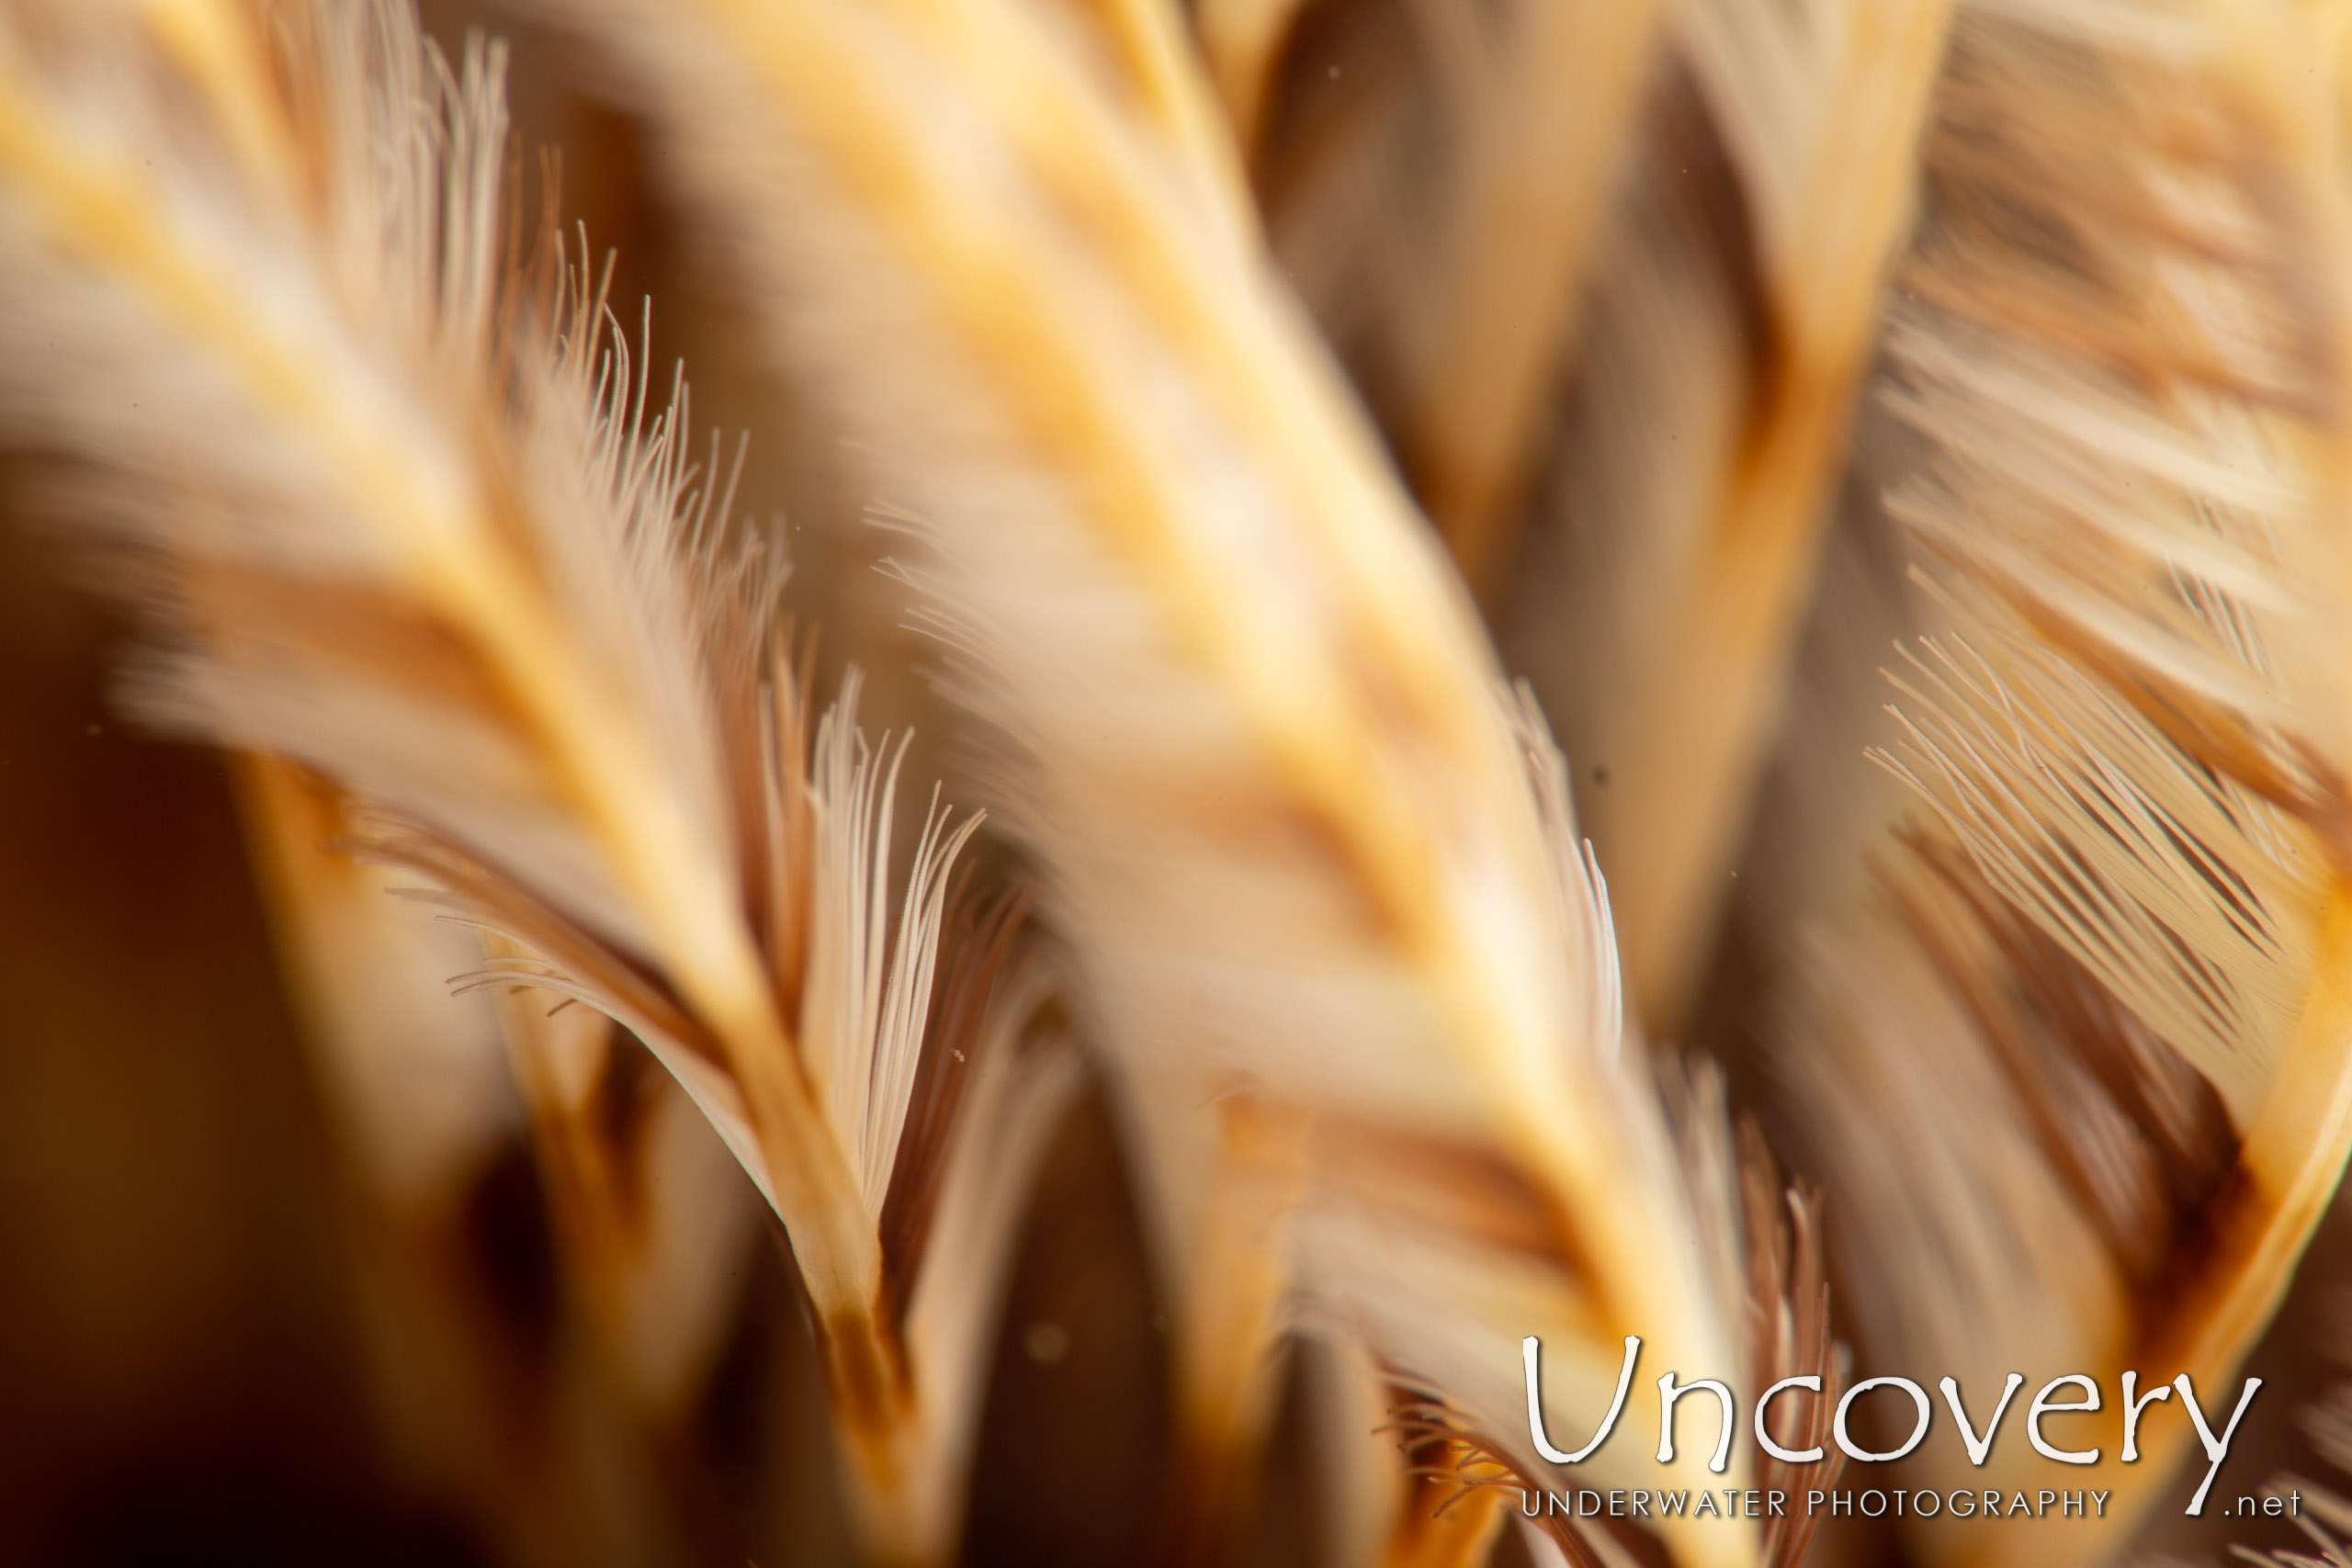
x,y
653,1232
1609,275
421,530
1249,726
2080,1071
418,1082
1697,455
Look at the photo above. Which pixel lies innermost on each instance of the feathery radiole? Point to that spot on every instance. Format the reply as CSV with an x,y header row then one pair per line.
x,y
1252,729
417,530
2120,921
652,1232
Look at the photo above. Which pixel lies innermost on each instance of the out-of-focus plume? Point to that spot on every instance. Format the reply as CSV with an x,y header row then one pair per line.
x,y
1434,177
1698,453
1439,1257
1249,728
417,1077
2082,1098
1711,361
1149,42
419,530
1619,282
647,1205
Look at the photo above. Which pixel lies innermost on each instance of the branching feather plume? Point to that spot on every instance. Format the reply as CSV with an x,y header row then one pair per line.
x,y
422,533
1247,729
2118,917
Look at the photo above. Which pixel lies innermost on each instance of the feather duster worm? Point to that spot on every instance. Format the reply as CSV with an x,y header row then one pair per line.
x,y
2086,1093
418,533
1248,729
